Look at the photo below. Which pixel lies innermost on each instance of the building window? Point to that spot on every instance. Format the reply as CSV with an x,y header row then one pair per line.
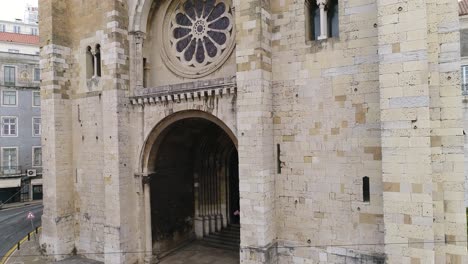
x,y
9,126
10,160
36,126
464,80
37,189
17,29
37,74
34,31
365,189
332,14
36,99
37,157
2,28
145,72
93,62
97,58
9,75
321,19
312,13
89,63
13,50
9,98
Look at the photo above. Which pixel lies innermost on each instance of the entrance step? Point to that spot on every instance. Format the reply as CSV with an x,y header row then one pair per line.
x,y
228,238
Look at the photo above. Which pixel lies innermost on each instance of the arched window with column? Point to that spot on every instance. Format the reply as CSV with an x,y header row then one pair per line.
x,y
321,19
93,61
89,63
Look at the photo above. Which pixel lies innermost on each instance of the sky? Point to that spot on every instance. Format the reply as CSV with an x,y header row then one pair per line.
x,y
11,9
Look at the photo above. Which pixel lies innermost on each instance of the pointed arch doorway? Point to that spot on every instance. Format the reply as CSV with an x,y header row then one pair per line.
x,y
194,185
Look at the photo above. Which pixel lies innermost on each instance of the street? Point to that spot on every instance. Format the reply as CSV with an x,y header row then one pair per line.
x,y
14,225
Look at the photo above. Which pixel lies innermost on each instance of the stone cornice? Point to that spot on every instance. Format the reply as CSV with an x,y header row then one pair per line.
x,y
185,91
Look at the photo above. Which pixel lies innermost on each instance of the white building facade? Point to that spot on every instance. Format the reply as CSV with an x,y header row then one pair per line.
x,y
20,113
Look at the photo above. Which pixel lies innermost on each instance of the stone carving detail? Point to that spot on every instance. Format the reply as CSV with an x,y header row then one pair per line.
x,y
199,36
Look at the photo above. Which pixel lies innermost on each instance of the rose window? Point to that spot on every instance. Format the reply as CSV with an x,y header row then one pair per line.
x,y
200,35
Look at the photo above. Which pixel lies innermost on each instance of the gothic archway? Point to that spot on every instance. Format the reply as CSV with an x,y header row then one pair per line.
x,y
192,164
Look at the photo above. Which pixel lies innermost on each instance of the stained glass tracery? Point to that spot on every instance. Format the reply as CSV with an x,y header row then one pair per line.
x,y
201,30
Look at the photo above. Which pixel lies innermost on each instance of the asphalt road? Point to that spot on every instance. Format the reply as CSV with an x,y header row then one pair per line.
x,y
14,225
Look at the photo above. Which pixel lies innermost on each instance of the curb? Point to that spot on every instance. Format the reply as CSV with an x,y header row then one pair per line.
x,y
13,249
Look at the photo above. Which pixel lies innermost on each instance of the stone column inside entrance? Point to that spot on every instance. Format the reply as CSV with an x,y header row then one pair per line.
x,y
198,221
146,181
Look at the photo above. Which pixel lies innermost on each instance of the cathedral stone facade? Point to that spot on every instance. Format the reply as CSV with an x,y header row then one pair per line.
x,y
326,131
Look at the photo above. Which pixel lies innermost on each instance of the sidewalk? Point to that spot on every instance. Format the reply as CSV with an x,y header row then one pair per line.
x,y
194,253
16,205
29,253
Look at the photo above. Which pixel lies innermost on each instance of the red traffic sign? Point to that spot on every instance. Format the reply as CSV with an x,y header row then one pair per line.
x,y
30,215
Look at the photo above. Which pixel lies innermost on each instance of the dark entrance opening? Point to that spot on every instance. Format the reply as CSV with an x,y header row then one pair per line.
x,y
234,185
194,187
37,192
10,195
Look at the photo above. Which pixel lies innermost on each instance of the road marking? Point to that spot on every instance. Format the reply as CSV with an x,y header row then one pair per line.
x,y
30,216
14,215
13,249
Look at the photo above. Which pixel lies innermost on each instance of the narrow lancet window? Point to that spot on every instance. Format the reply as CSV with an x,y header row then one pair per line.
x,y
145,72
278,158
89,63
97,57
312,14
332,11
365,189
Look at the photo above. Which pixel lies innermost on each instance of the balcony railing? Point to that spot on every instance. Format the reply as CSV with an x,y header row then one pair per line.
x,y
464,87
10,171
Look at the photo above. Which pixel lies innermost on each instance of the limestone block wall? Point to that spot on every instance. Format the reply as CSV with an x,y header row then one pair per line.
x,y
464,61
312,119
88,158
446,125
255,129
350,107
419,205
407,172
428,58
465,128
58,217
327,126
92,179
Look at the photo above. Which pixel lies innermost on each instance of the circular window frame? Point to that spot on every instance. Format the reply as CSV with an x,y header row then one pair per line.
x,y
173,62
